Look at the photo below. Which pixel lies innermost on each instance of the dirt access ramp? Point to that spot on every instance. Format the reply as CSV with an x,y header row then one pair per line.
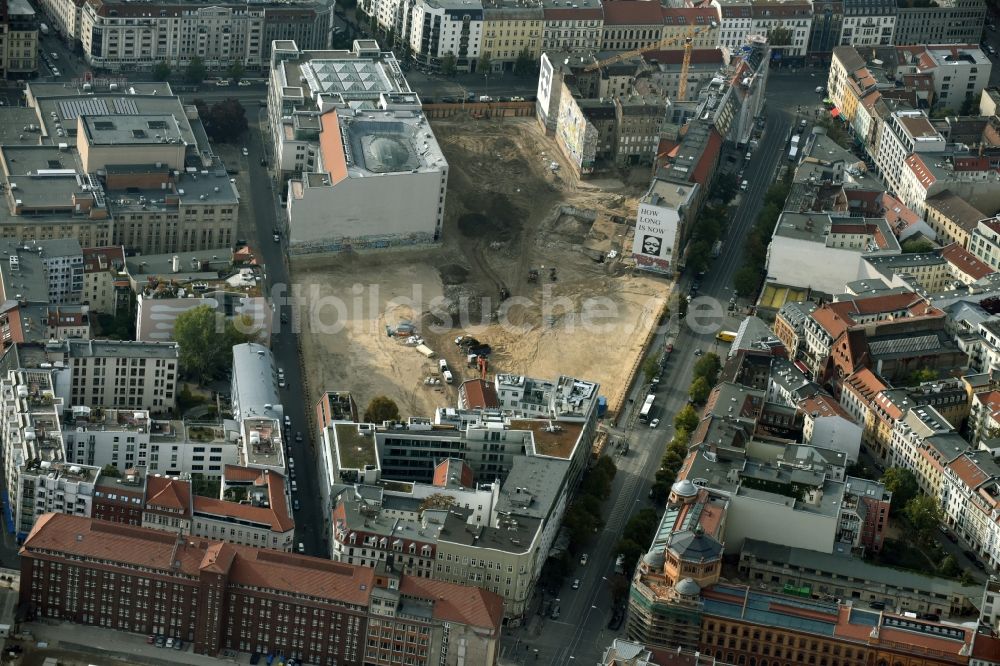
x,y
509,215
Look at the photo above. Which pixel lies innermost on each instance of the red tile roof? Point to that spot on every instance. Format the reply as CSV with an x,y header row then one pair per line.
x,y
632,12
471,606
823,405
702,17
573,13
480,394
164,493
959,257
450,467
300,574
110,257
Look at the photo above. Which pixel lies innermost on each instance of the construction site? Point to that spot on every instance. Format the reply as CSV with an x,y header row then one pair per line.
x,y
531,264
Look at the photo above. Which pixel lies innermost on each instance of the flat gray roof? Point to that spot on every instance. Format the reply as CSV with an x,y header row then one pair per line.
x,y
131,129
253,376
122,349
198,265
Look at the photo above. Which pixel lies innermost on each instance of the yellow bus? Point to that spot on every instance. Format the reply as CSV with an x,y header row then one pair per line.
x,y
725,336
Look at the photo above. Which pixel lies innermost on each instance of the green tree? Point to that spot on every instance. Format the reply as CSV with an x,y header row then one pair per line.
x,y
699,390
161,71
682,436
921,375
641,527
746,280
524,64
448,65
835,130
206,341
650,368
630,552
111,470
196,71
672,461
708,366
224,121
698,255
917,245
942,112
381,408
686,419
780,36
924,514
949,567
970,107
903,486
484,62
235,72
725,187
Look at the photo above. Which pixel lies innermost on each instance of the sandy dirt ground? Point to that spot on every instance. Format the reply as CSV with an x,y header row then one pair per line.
x,y
508,213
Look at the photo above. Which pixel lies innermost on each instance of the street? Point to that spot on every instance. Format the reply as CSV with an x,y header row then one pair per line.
x,y
581,633
264,214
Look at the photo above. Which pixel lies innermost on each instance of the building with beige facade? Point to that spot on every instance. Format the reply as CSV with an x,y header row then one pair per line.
x,y
511,30
572,26
18,40
117,35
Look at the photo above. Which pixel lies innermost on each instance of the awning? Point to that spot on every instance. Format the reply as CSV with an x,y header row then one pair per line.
x,y
835,112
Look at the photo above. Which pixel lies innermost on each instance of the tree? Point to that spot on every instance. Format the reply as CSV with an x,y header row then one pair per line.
x,y
111,470
780,36
921,375
484,62
630,552
924,514
206,341
381,408
196,71
698,255
650,368
224,121
949,567
970,107
902,484
699,390
835,130
917,245
746,280
448,65
708,366
524,64
725,187
161,71
235,71
686,419
682,436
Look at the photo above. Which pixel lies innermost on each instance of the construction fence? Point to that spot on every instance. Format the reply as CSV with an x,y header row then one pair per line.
x,y
481,109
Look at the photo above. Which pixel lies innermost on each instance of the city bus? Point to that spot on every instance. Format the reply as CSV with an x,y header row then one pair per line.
x,y
647,407
725,336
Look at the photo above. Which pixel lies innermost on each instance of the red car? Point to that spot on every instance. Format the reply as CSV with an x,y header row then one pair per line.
x,y
151,639
670,348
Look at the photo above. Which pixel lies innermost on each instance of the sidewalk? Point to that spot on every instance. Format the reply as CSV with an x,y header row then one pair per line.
x,y
131,648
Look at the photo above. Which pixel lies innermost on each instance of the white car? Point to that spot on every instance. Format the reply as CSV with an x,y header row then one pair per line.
x,y
820,89
301,547
744,185
222,82
654,423
576,583
245,151
244,83
583,559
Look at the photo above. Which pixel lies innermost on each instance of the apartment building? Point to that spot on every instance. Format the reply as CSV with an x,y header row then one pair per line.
x,y
440,29
42,272
699,24
217,595
572,27
118,36
791,23
52,487
905,132
868,23
959,71
104,278
257,407
126,439
252,510
970,499
826,29
18,40
735,22
946,22
984,242
631,24
512,29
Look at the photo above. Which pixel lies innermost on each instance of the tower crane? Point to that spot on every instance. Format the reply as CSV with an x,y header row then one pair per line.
x,y
687,40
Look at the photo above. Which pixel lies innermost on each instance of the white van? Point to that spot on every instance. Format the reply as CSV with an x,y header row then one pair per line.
x,y
442,364
448,378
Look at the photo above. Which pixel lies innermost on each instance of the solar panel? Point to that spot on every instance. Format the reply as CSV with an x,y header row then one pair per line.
x,y
126,106
75,108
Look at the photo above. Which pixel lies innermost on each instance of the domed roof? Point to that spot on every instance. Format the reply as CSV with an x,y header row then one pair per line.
x,y
654,559
688,588
684,488
694,546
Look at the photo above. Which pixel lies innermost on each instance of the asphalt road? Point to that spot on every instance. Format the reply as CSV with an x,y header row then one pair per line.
x,y
264,212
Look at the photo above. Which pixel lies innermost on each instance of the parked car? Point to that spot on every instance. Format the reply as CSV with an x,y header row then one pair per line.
x,y
576,583
169,644
222,82
245,151
161,641
583,559
301,547
178,644
151,639
654,423
244,83
295,505
744,185
298,437
277,238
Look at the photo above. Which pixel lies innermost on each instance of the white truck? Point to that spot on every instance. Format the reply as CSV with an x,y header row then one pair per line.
x,y
42,28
